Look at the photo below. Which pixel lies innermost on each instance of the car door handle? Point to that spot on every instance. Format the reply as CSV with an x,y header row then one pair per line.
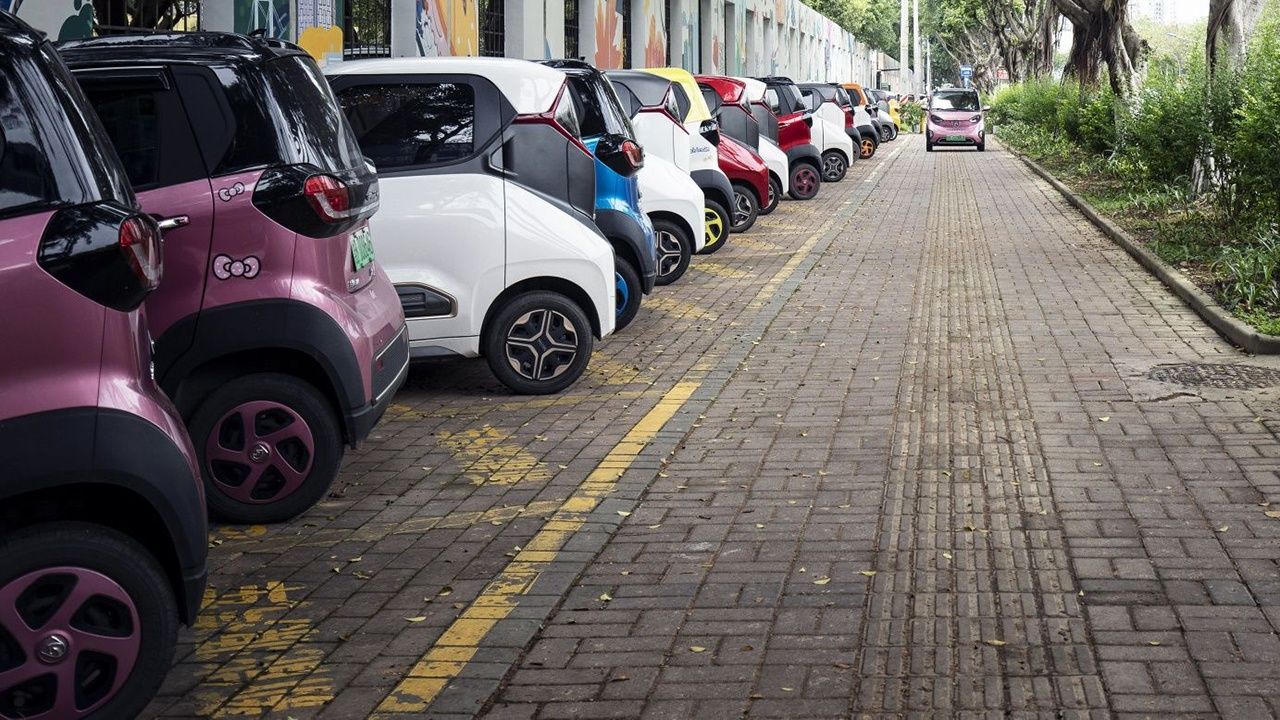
x,y
171,223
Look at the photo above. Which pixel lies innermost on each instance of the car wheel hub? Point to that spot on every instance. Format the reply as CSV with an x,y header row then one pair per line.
x,y
741,208
669,253
81,635
833,166
260,451
541,344
715,227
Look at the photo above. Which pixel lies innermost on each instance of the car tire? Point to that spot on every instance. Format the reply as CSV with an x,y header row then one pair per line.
x,y
119,591
893,132
566,340
982,146
806,181
279,468
746,208
675,249
928,146
629,291
716,225
867,148
775,195
834,166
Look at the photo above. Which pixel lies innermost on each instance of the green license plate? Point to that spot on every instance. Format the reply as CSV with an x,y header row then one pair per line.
x,y
955,138
362,248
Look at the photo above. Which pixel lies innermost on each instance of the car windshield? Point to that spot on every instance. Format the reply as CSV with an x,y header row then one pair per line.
x,y
967,101
598,109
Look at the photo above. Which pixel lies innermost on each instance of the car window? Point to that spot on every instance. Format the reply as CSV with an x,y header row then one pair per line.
x,y
130,119
682,101
771,97
53,151
408,125
967,101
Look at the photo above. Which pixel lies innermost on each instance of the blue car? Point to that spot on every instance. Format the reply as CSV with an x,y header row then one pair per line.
x,y
607,133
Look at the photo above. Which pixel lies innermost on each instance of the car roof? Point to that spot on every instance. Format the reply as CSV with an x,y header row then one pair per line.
x,y
698,110
195,48
16,32
755,88
651,90
530,87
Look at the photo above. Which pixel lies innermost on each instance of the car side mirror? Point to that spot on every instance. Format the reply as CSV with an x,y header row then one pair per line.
x,y
710,129
986,108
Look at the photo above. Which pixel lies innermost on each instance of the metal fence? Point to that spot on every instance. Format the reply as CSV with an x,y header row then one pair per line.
x,y
366,28
114,17
493,32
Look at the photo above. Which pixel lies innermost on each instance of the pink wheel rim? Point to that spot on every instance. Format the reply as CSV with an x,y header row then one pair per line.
x,y
69,639
259,452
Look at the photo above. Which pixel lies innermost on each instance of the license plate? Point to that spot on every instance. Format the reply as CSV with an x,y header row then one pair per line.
x,y
955,138
362,248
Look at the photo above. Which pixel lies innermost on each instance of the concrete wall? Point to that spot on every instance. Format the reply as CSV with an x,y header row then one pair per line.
x,y
747,37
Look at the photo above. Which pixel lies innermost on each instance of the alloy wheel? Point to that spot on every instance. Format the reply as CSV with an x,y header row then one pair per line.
x,y
669,253
833,167
805,181
541,344
742,207
868,148
260,451
69,639
714,226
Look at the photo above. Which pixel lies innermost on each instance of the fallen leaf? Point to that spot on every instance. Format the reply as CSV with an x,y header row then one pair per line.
x,y
946,555
606,597
868,573
697,648
1105,418
996,643
1272,513
759,526
655,527
787,689
624,513
416,618
446,590
1224,528
618,678
1153,642
822,580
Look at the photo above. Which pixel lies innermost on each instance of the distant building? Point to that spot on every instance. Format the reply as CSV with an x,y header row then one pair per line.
x,y
1159,12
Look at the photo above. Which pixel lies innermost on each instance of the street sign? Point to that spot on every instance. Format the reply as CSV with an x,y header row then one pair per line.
x,y
966,72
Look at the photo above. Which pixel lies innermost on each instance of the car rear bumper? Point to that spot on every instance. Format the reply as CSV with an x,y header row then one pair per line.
x,y
388,373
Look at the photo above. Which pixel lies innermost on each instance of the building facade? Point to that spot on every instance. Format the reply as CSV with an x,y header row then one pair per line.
x,y
735,37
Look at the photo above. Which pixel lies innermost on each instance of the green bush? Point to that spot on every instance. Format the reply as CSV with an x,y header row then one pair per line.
x,y
1254,144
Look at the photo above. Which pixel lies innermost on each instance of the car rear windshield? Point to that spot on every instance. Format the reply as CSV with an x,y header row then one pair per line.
x,y
53,151
286,114
598,109
967,101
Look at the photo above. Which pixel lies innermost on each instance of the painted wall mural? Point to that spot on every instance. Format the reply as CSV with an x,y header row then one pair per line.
x,y
608,35
447,27
655,38
270,15
320,28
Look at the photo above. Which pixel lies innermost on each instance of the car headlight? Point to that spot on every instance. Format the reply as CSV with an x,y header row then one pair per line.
x,y
975,119
935,118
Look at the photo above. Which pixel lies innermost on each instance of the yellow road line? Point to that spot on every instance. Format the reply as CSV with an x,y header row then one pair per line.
x,y
450,654
460,641
488,457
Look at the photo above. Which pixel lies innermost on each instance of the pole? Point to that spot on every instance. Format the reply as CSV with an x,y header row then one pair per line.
x,y
928,65
915,44
903,21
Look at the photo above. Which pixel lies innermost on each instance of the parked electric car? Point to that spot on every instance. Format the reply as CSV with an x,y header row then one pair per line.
x,y
782,108
485,226
277,335
608,134
745,168
863,108
955,117
886,114
829,130
739,122
704,164
102,519
671,199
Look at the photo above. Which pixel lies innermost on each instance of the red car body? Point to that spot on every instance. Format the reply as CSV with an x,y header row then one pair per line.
x,y
744,166
738,159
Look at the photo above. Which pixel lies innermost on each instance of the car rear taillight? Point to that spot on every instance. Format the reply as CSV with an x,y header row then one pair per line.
x,y
848,118
634,154
313,203
329,197
140,243
106,252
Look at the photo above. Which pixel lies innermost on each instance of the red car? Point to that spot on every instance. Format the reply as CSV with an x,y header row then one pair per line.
x,y
782,114
746,169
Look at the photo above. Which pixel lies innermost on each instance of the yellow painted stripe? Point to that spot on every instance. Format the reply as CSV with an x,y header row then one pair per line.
x,y
460,641
445,660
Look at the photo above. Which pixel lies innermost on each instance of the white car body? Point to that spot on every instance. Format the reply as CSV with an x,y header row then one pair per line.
x,y
828,132
777,161
665,188
662,137
472,235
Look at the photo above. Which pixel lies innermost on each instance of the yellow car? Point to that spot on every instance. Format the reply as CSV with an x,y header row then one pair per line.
x,y
893,114
703,162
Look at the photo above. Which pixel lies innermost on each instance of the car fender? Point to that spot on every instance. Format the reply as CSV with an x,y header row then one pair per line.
x,y
715,185
777,162
665,188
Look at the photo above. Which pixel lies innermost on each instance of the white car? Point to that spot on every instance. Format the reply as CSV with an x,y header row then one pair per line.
x,y
668,194
486,223
828,131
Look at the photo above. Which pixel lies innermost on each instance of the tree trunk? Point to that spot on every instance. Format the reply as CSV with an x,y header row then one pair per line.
x,y
1102,35
1231,24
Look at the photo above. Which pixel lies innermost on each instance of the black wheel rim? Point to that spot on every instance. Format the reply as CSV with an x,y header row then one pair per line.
x,y
670,253
541,344
741,208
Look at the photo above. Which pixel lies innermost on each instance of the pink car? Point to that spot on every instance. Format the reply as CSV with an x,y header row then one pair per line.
x,y
277,334
956,117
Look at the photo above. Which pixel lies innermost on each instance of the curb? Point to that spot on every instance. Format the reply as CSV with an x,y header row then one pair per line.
x,y
1230,327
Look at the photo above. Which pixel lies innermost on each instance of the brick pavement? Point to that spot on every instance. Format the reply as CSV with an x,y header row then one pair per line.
x,y
893,453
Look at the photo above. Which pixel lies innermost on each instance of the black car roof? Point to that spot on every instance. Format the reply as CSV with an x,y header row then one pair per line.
x,y
577,67
776,79
13,30
197,48
649,89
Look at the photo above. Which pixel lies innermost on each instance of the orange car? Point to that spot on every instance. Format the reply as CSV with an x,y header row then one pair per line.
x,y
862,107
